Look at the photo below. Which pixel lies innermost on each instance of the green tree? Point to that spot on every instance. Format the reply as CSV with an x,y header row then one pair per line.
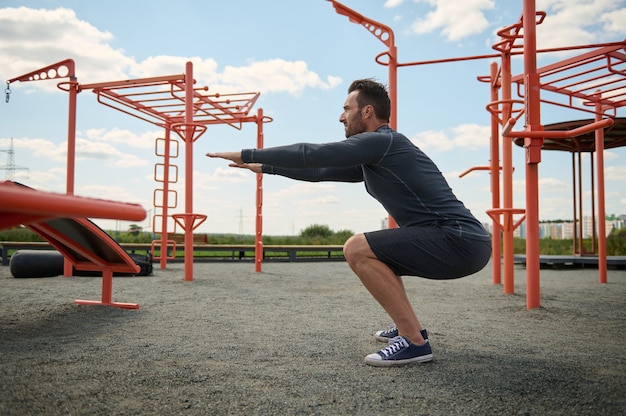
x,y
134,229
316,231
616,242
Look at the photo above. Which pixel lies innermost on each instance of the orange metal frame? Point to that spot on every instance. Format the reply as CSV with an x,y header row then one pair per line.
x,y
171,102
44,211
596,78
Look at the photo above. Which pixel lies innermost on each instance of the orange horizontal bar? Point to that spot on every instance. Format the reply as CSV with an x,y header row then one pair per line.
x,y
23,200
133,82
562,134
476,168
498,55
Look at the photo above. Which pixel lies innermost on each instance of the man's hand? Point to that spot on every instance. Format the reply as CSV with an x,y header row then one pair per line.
x,y
237,162
234,157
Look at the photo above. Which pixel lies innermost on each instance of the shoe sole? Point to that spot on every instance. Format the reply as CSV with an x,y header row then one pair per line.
x,y
397,363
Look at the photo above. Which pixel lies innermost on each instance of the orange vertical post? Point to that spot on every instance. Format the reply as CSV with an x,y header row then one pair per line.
x,y
532,146
393,97
189,131
599,138
496,254
71,153
393,83
507,180
385,34
189,139
258,249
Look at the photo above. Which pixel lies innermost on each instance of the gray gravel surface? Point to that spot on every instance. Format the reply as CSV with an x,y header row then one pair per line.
x,y
291,340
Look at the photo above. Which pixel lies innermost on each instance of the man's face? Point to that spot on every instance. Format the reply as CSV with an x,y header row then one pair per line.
x,y
351,116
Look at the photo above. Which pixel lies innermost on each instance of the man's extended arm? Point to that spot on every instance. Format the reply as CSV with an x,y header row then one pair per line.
x,y
351,174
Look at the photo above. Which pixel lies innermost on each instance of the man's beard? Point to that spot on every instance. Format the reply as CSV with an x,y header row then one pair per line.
x,y
355,126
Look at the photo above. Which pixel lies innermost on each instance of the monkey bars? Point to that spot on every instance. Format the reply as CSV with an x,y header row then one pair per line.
x,y
178,106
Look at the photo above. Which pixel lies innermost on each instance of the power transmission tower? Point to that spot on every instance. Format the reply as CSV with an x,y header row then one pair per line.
x,y
241,217
10,166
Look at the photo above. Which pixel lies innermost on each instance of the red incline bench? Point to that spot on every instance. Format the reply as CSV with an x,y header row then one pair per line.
x,y
61,220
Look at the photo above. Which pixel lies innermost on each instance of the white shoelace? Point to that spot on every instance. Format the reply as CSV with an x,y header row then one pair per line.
x,y
395,345
391,328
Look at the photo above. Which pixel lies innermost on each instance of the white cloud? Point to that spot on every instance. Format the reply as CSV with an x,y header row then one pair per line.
x,y
471,135
432,140
276,75
615,173
326,200
580,22
390,4
455,19
463,135
43,148
111,193
95,150
568,22
552,185
121,136
301,189
298,193
203,69
221,176
614,21
42,37
230,175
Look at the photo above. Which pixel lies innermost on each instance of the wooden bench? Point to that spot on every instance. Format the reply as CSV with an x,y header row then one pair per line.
x,y
242,251
197,238
237,251
293,250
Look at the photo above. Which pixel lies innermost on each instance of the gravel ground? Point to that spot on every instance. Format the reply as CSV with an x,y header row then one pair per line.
x,y
291,340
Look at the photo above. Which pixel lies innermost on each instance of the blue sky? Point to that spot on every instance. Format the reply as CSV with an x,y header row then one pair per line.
x,y
301,56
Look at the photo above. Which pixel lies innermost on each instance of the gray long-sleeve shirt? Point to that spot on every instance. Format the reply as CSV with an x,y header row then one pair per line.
x,y
397,173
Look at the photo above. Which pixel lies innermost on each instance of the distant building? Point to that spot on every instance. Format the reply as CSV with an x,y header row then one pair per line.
x,y
564,230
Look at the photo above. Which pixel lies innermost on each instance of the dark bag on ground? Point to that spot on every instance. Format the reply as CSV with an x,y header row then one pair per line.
x,y
49,263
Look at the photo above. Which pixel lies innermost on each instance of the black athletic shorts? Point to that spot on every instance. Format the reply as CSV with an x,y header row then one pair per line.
x,y
433,252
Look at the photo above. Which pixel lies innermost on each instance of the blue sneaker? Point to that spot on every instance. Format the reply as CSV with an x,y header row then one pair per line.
x,y
400,351
392,332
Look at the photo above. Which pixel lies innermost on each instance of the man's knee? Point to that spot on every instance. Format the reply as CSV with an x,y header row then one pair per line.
x,y
356,248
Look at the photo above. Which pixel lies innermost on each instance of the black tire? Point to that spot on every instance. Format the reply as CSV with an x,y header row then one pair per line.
x,y
36,263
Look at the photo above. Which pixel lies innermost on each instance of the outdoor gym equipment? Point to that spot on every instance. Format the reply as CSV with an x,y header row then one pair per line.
x,y
597,79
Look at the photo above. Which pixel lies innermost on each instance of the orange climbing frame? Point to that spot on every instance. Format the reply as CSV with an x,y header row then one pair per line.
x,y
597,79
177,105
174,103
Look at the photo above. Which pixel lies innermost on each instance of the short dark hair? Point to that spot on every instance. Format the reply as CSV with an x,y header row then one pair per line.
x,y
372,92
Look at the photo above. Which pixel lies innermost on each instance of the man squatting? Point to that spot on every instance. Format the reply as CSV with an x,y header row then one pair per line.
x,y
437,236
